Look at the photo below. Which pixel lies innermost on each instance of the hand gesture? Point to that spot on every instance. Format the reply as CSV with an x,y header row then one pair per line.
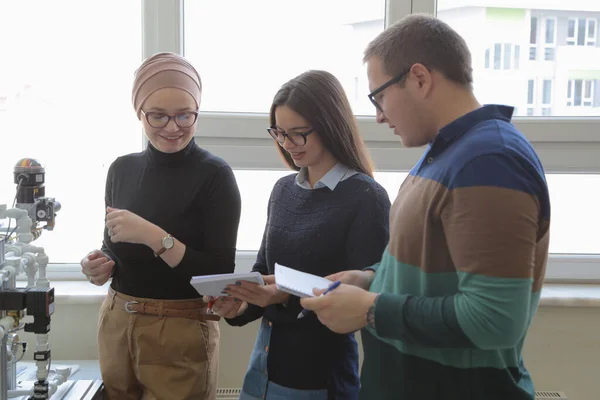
x,y
125,226
97,267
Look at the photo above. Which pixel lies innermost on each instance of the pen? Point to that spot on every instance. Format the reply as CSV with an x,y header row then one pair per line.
x,y
305,312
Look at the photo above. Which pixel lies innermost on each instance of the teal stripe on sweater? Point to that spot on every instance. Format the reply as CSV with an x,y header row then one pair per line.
x,y
490,307
400,278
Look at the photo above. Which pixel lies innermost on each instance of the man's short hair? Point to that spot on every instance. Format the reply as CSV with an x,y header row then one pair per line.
x,y
420,38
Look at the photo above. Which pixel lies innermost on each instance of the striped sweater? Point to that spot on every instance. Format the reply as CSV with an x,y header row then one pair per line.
x,y
461,277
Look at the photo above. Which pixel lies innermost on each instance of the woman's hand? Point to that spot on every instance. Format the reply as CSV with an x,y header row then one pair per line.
x,y
125,226
97,267
227,307
260,295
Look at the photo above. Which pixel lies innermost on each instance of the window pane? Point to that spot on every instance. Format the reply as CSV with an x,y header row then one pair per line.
x,y
581,31
550,31
532,53
549,53
484,26
517,56
591,29
533,31
497,55
264,43
507,54
547,92
588,89
67,83
571,28
574,198
530,91
578,89
255,188
487,58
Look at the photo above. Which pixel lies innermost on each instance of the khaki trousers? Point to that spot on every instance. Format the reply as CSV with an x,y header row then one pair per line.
x,y
147,357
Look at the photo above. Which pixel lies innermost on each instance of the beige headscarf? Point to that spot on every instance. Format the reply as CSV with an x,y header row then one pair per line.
x,y
164,70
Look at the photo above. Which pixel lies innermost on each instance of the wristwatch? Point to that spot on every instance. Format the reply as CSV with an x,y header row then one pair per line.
x,y
167,243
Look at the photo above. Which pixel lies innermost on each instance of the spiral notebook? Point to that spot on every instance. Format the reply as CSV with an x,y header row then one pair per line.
x,y
298,283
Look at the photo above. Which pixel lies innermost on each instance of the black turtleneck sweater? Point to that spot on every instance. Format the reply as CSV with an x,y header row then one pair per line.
x,y
192,195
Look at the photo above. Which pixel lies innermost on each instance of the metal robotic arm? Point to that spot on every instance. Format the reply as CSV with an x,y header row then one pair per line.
x,y
31,213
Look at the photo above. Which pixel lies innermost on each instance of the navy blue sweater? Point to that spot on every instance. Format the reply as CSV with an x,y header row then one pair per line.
x,y
321,232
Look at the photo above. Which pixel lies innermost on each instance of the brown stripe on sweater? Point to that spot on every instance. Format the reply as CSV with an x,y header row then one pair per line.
x,y
416,232
494,231
541,255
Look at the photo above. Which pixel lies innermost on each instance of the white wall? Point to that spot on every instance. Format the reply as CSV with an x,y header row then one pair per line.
x,y
562,350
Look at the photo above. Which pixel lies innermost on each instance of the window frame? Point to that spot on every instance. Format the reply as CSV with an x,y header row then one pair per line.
x,y
535,36
564,144
593,40
587,41
513,54
571,92
550,46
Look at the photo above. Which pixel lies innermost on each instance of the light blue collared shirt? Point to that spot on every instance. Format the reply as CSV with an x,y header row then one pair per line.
x,y
335,175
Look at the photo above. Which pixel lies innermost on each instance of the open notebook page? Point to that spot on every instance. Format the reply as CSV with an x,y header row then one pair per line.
x,y
298,283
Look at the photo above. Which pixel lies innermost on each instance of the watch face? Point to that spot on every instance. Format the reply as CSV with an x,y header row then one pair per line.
x,y
168,242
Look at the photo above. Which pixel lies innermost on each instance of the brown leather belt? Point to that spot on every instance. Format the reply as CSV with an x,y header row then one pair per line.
x,y
191,309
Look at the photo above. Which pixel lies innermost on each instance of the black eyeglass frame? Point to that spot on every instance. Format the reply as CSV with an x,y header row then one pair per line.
x,y
170,116
274,133
386,85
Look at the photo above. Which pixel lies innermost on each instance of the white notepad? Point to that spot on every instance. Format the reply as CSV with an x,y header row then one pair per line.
x,y
298,283
213,285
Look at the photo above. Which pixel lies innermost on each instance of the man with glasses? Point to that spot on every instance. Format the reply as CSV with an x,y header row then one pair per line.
x,y
446,311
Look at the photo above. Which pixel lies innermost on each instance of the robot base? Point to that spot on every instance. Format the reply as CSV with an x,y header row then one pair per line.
x,y
70,390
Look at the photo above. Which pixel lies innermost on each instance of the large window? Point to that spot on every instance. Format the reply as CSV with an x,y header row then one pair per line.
x,y
580,93
503,56
581,31
68,80
539,97
572,196
244,61
65,85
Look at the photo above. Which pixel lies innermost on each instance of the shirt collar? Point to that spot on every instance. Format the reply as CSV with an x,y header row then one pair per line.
x,y
335,175
464,124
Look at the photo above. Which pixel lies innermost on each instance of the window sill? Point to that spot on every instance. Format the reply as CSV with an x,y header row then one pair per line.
x,y
78,292
553,295
570,295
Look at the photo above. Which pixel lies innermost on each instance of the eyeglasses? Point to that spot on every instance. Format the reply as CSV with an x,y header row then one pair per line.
x,y
160,120
386,85
297,138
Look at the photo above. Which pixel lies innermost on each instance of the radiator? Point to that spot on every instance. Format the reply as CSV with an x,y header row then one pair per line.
x,y
233,394
228,394
550,396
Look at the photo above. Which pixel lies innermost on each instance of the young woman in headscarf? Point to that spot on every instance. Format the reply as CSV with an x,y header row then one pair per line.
x,y
172,212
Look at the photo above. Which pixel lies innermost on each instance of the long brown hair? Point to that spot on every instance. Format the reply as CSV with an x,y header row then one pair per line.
x,y
320,99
